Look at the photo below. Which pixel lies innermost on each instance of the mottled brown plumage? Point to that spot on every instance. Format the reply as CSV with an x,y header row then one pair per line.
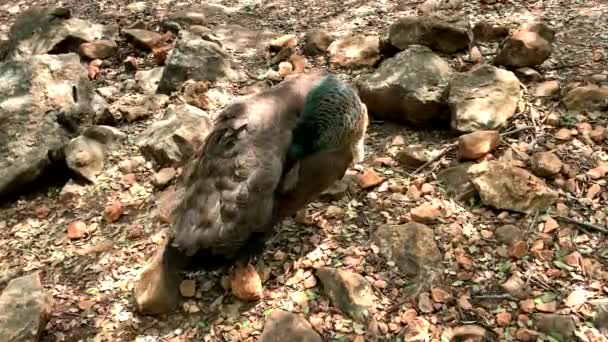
x,y
234,189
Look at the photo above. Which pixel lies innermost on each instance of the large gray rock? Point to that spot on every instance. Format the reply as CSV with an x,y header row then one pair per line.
x,y
24,309
483,98
41,100
41,30
148,80
409,88
411,246
511,188
457,181
198,59
286,326
173,140
587,98
432,31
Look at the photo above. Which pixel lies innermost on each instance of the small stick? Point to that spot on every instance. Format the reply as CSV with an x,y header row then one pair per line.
x,y
435,158
517,130
495,296
584,224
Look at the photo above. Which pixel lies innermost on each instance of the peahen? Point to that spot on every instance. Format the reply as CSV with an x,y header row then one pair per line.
x,y
268,156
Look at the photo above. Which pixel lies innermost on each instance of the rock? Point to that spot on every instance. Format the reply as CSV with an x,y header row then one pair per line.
x,y
348,291
298,62
167,202
242,40
85,157
100,109
187,288
417,330
588,98
42,100
143,38
545,89
413,155
483,98
515,286
440,295
503,319
425,304
316,42
137,7
426,213
432,31
130,165
98,49
546,164
195,94
286,326
147,80
411,246
529,46
552,120
550,225
600,308
157,289
457,181
598,78
163,177
108,92
563,134
187,18
77,230
71,190
200,60
109,137
285,68
478,144
512,188
173,140
52,30
430,6
370,179
598,172
508,234
409,88
130,64
283,41
113,211
561,327
354,51
528,75
486,32
24,309
598,134
526,335
246,283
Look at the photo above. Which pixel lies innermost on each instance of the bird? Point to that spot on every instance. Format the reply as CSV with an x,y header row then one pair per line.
x,y
267,156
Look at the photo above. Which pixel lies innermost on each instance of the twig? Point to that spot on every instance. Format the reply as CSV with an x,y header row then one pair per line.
x,y
517,130
494,296
584,224
435,158
533,222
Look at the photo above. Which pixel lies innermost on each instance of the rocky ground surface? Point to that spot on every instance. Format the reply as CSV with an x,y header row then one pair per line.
x,y
480,211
